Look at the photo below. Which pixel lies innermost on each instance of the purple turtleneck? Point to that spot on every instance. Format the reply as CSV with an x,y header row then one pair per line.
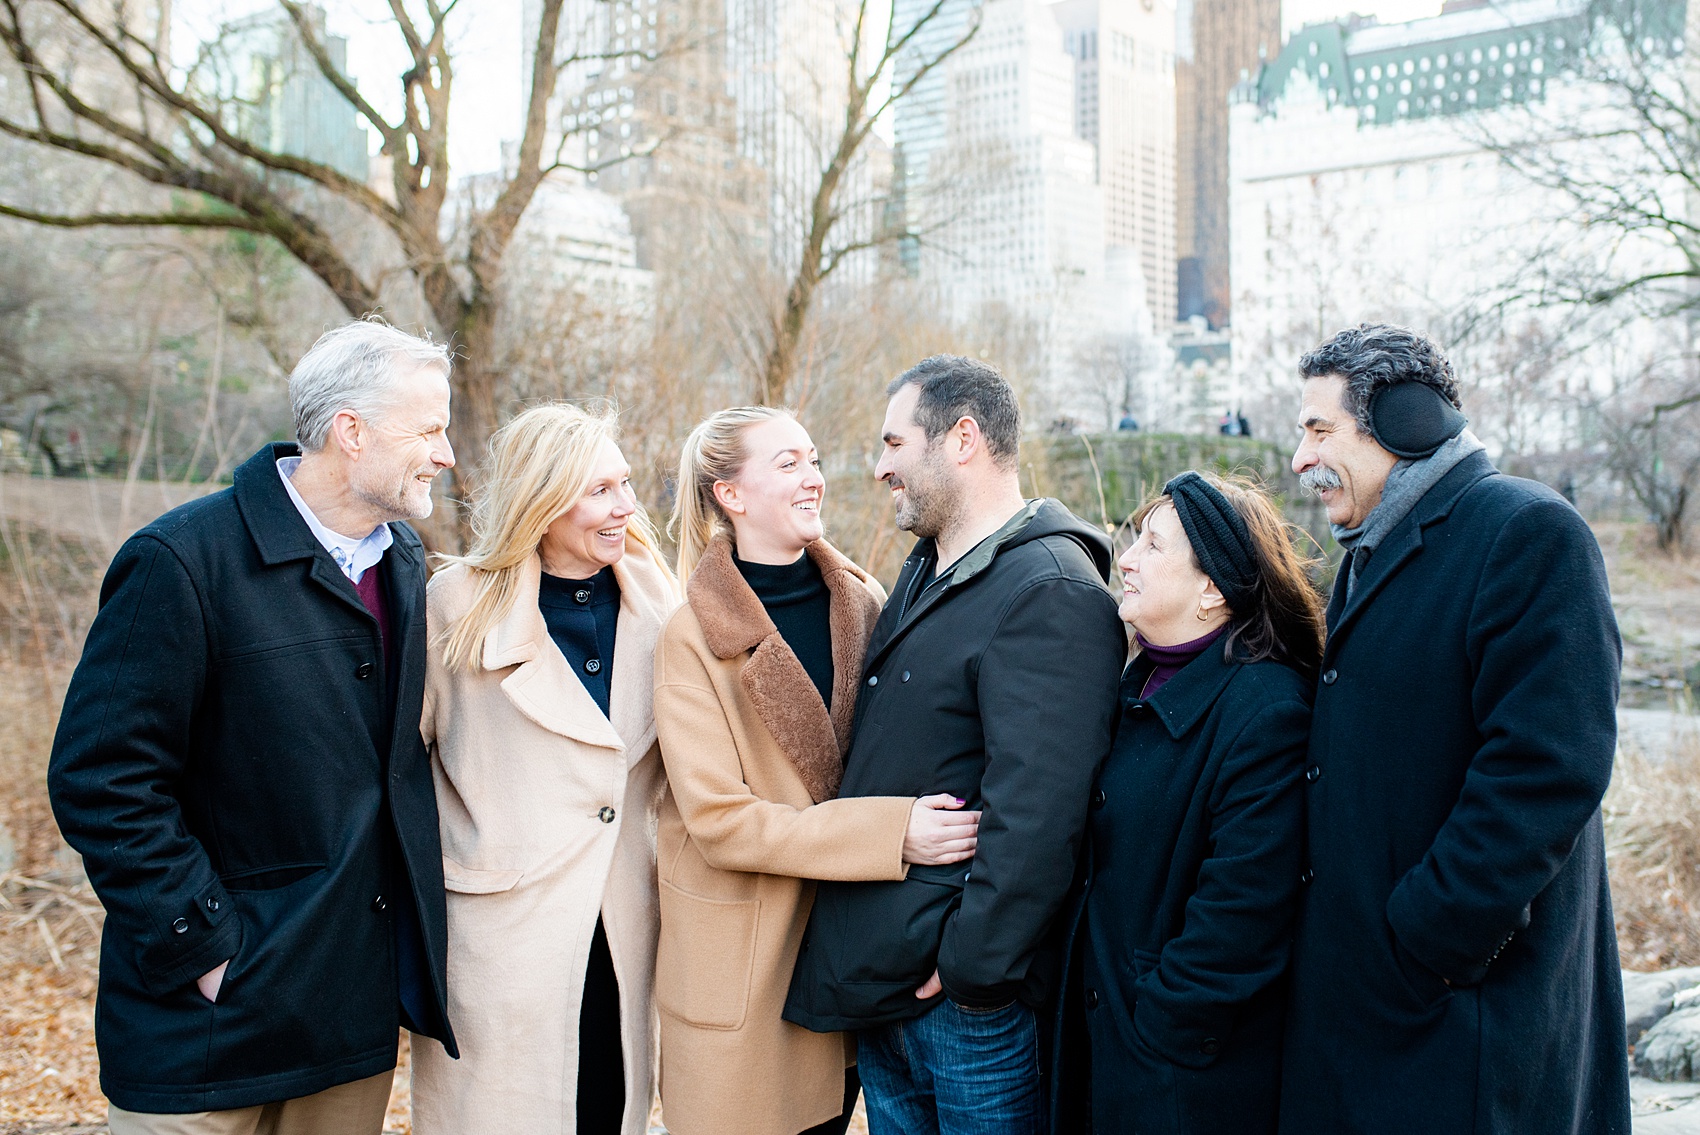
x,y
1167,661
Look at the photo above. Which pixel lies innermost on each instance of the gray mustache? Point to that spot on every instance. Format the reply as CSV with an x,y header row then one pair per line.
x,y
1320,479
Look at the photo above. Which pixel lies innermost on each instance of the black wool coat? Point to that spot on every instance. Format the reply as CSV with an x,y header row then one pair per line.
x,y
996,684
1456,967
243,784
1175,993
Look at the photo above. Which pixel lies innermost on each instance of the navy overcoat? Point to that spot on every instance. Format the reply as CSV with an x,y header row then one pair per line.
x,y
1456,968
246,781
1175,991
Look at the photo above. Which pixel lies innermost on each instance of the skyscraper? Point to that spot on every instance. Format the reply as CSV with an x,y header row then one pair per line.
x,y
1219,42
1124,53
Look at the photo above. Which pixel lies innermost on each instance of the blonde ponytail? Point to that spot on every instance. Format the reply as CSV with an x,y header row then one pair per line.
x,y
713,452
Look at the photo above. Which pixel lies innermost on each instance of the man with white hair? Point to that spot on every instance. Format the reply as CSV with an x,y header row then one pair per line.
x,y
239,762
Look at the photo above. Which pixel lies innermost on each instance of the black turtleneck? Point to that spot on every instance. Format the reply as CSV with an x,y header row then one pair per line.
x,y
798,602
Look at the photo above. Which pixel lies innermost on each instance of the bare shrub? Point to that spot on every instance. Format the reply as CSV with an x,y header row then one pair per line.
x,y
1652,814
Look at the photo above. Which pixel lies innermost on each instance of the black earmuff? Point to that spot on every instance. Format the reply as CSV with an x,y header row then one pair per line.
x,y
1413,419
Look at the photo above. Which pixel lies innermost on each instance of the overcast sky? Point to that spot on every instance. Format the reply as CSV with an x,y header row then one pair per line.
x,y
485,34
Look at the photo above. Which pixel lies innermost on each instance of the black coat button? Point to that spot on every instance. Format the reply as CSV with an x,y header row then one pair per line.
x,y
1211,1046
593,665
212,904
1330,677
905,676
582,595
606,814
1313,772
1306,876
181,926
1091,998
1136,708
873,679
1098,797
380,904
364,670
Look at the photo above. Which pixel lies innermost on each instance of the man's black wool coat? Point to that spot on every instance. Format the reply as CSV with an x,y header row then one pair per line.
x,y
231,766
1463,736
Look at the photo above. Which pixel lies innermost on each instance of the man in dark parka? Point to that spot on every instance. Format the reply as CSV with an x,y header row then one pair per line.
x,y
1455,967
239,762
991,674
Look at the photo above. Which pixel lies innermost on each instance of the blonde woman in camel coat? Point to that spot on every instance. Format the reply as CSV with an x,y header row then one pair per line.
x,y
547,802
754,757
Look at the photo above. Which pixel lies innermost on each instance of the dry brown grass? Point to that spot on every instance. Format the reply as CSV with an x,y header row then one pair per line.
x,y
1653,848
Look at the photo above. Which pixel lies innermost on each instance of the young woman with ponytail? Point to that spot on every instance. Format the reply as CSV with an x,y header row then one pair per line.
x,y
756,680
540,724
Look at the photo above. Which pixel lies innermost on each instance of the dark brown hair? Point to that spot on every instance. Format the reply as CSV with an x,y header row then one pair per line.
x,y
1284,623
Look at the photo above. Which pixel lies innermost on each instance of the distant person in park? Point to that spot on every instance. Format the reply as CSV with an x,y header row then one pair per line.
x,y
991,675
1176,993
1456,967
239,763
539,716
756,684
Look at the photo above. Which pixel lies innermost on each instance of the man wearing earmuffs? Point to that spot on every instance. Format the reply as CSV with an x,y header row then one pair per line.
x,y
1456,967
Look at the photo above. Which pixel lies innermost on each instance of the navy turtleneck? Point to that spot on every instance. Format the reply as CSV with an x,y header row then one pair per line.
x,y
582,615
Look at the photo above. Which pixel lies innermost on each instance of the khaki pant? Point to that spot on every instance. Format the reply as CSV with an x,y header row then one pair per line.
x,y
347,1109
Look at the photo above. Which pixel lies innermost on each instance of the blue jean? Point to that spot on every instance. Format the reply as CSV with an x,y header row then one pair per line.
x,y
954,1071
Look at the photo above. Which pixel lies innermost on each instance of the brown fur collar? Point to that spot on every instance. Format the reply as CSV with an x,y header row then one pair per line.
x,y
733,621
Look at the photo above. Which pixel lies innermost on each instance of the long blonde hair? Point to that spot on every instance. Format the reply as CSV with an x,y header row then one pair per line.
x,y
536,468
715,451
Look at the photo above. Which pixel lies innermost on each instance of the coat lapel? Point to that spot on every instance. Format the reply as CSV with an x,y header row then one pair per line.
x,y
543,687
780,689
276,527
1403,543
647,597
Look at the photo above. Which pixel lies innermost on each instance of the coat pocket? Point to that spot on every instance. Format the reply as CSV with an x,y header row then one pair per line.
x,y
472,881
707,953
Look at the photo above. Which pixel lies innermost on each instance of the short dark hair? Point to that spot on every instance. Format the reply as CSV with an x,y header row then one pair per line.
x,y
953,388
1372,355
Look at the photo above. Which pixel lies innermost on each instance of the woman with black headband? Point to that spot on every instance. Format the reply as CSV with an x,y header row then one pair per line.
x,y
1174,995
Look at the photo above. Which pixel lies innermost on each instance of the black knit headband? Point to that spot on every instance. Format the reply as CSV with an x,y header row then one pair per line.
x,y
1219,536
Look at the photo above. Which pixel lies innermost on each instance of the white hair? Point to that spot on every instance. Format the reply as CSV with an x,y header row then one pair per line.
x,y
354,367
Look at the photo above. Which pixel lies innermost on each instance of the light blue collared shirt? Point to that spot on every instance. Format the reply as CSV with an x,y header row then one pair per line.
x,y
352,554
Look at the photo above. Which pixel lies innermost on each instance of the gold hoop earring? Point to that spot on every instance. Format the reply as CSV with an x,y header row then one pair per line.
x,y
1202,617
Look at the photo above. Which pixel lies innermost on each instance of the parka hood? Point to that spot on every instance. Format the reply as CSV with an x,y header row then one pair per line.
x,y
1041,517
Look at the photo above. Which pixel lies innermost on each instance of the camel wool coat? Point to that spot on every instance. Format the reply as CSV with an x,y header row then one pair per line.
x,y
750,818
547,813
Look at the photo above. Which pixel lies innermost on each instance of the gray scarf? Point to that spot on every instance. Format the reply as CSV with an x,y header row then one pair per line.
x,y
1407,484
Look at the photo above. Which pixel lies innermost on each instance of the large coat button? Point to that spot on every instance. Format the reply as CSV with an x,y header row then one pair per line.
x,y
212,904
1211,1046
593,665
181,926
1306,876
1330,677
606,814
380,904
1312,773
1098,797
1091,998
582,595
364,670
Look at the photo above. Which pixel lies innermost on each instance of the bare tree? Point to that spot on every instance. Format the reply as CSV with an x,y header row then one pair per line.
x,y
92,80
879,72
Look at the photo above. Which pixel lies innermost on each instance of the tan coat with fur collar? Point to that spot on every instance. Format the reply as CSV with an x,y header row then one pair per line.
x,y
525,766
753,764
